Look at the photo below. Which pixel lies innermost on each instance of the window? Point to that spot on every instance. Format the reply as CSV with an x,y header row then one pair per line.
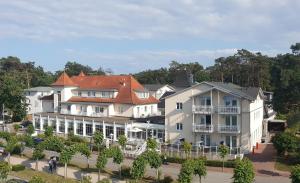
x,y
99,109
179,126
70,127
69,107
53,124
205,101
231,120
89,93
121,110
79,93
37,124
205,140
79,129
99,128
179,106
109,131
94,94
146,108
45,124
120,131
61,126
89,129
231,141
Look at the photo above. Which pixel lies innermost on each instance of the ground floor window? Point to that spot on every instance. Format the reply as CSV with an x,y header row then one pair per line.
x,y
70,127
109,131
89,129
179,126
37,124
120,131
62,126
79,129
205,140
45,123
99,128
231,141
53,124
161,134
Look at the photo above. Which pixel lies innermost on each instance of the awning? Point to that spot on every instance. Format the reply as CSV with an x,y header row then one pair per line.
x,y
135,129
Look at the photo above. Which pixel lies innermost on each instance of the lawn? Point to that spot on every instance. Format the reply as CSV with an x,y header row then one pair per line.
x,y
27,174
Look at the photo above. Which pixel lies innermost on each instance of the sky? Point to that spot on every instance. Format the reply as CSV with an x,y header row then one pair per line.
x,y
129,36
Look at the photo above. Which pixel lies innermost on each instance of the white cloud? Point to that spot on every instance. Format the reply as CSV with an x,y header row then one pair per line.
x,y
268,21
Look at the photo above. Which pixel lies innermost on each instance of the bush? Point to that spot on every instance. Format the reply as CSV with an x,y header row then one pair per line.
x,y
17,150
36,179
167,179
106,180
17,168
295,174
125,171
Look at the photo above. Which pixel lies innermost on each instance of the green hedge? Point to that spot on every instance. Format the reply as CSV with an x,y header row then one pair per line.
x,y
213,163
17,168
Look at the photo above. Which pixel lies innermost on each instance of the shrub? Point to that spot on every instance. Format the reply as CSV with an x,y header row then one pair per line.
x,y
295,174
17,149
106,180
36,179
17,127
17,168
125,171
285,142
167,179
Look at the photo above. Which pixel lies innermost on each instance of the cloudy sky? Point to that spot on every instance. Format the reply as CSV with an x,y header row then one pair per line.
x,y
134,35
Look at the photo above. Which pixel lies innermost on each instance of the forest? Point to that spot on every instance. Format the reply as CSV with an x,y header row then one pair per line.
x,y
280,74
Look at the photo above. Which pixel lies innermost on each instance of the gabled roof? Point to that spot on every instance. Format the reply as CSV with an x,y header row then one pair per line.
x,y
64,80
154,87
126,86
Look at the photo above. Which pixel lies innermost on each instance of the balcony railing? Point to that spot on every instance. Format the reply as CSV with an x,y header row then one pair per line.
x,y
228,109
203,128
202,109
228,129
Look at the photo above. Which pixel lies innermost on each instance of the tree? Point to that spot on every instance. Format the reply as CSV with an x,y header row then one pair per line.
x,y
10,146
285,142
151,144
117,156
66,156
30,129
36,179
74,68
4,170
49,131
85,151
54,143
122,141
295,48
200,168
101,161
243,171
295,174
186,172
138,167
98,139
223,152
187,147
154,160
37,155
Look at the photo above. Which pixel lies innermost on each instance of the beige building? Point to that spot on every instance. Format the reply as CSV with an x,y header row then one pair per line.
x,y
210,113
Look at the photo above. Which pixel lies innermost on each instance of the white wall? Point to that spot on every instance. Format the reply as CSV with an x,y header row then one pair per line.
x,y
144,110
33,100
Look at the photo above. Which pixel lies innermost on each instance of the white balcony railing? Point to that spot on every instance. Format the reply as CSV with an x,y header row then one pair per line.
x,y
228,109
228,129
203,128
202,109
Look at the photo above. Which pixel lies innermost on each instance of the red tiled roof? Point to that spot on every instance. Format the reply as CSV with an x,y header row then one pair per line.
x,y
126,86
64,80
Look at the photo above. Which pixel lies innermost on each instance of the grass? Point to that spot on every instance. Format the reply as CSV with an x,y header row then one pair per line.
x,y
27,174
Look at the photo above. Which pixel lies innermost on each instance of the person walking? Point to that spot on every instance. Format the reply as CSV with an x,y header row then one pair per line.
x,y
54,163
50,165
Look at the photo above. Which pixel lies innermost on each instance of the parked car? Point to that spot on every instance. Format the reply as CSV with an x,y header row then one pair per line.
x,y
37,140
25,124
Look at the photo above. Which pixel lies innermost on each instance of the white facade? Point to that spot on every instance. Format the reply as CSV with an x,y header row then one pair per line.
x,y
158,92
34,102
209,115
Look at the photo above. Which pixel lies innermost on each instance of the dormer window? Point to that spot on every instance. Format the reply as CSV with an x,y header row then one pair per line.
x,y
79,93
142,94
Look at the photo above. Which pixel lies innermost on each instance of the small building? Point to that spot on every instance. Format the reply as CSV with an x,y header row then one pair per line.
x,y
34,98
158,90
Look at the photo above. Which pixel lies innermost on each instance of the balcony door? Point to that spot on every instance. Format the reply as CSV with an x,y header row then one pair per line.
x,y
231,120
205,140
205,120
231,141
205,101
229,101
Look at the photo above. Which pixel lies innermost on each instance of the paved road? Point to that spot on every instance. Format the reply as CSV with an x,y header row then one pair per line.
x,y
214,174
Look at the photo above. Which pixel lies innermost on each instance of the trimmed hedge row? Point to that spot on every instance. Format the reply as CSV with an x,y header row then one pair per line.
x,y
17,168
213,163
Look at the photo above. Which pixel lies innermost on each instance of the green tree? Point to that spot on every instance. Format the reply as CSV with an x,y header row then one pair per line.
x,y
122,140
223,152
4,170
295,48
49,131
37,155
243,171
66,156
154,160
30,129
295,174
54,143
85,151
74,68
151,144
138,168
17,127
10,146
36,179
186,172
101,162
200,168
187,147
285,142
98,139
118,157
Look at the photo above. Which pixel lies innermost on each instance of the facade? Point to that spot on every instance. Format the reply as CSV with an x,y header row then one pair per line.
x,y
34,99
158,90
114,105
209,114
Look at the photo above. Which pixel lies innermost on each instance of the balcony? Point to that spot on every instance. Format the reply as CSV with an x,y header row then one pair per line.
x,y
228,110
203,128
202,109
228,129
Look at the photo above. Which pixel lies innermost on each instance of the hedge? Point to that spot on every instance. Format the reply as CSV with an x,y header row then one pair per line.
x,y
17,168
213,163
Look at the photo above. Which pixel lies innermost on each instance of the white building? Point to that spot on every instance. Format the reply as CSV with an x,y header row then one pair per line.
x,y
114,105
158,90
34,99
211,113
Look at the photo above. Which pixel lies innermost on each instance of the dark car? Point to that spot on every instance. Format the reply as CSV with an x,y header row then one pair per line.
x,y
25,124
37,140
